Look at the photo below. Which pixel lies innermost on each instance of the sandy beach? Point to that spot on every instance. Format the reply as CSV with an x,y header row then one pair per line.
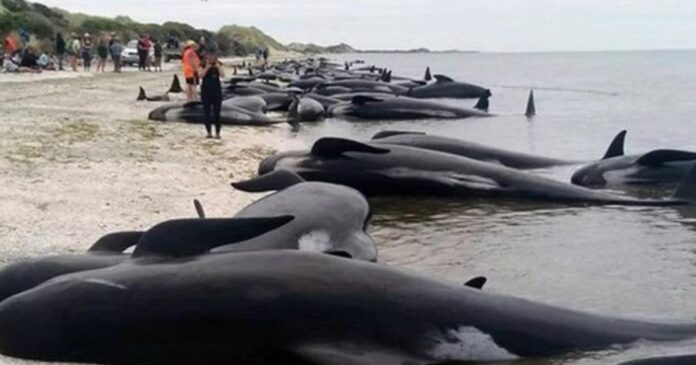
x,y
80,159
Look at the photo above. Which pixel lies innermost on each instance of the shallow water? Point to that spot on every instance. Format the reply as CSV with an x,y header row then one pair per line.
x,y
637,262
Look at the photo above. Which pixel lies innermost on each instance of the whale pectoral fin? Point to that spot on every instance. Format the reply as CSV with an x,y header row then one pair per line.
x,y
388,133
477,282
348,354
442,79
333,147
190,237
276,180
616,147
475,182
447,179
659,157
116,242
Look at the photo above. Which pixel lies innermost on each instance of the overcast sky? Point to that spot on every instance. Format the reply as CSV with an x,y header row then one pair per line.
x,y
486,25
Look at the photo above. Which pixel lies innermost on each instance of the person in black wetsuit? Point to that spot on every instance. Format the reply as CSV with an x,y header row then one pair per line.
x,y
211,92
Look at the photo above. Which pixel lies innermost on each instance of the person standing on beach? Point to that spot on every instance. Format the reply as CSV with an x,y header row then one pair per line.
x,y
265,55
87,48
74,51
190,64
158,55
116,49
60,50
102,54
142,52
211,92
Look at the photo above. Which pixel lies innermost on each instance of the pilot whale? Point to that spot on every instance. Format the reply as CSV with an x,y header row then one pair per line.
x,y
378,169
517,160
657,166
280,307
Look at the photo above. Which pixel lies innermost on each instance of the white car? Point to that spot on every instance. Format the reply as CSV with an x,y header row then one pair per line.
x,y
129,56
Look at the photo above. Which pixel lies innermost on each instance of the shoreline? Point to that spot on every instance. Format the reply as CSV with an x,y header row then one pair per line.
x,y
80,159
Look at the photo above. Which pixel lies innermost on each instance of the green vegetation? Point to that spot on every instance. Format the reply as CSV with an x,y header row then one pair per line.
x,y
44,22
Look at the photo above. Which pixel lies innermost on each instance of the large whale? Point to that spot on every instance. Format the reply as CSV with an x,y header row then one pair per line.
x,y
281,307
327,217
26,274
517,160
378,169
192,112
395,108
445,87
252,103
174,238
657,166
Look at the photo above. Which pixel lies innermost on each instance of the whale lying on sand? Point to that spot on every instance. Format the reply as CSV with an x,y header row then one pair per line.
x,y
280,307
379,169
192,112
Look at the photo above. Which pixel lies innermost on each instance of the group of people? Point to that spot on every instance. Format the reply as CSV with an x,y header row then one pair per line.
x,y
201,65
16,58
77,49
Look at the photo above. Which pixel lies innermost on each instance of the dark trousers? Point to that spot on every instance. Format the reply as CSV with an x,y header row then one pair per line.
x,y
211,108
142,59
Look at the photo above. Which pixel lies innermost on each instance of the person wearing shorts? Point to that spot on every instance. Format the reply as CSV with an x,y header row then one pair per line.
x,y
190,64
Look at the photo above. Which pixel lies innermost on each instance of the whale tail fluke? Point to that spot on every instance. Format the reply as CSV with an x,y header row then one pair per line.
x,y
428,76
176,86
482,104
616,147
141,96
531,108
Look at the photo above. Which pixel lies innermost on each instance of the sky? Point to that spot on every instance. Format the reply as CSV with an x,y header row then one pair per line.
x,y
483,25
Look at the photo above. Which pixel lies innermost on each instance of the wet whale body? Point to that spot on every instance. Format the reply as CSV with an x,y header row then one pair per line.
x,y
328,218
367,107
293,307
192,112
657,166
517,160
26,274
305,109
378,169
445,87
667,360
171,238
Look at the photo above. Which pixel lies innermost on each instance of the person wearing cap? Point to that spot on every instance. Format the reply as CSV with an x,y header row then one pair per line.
x,y
190,64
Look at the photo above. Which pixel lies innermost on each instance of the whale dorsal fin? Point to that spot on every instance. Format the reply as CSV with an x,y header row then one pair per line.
x,y
364,99
275,180
659,157
386,134
333,147
616,148
531,107
428,75
199,208
443,79
477,282
190,237
141,94
176,86
116,242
